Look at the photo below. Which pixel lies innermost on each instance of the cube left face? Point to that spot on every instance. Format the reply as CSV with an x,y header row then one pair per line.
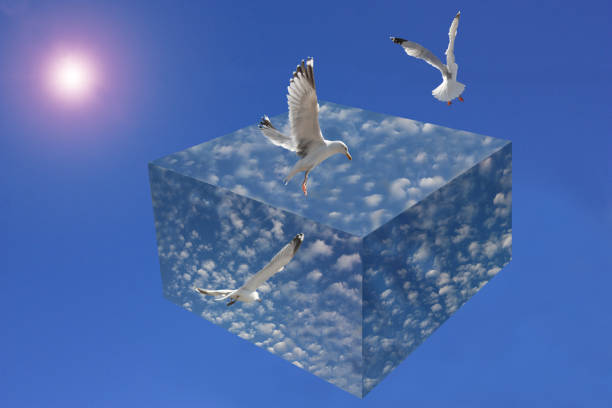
x,y
311,311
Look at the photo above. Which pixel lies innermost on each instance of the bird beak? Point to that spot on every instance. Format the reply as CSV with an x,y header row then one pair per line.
x,y
348,156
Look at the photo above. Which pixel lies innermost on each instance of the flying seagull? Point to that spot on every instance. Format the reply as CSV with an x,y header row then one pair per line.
x,y
449,89
305,136
248,292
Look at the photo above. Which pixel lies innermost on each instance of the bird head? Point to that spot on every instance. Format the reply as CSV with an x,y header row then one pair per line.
x,y
340,147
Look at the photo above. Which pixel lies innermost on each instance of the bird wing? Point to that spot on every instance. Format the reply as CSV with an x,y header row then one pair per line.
x,y
450,51
304,109
418,51
220,292
275,136
282,258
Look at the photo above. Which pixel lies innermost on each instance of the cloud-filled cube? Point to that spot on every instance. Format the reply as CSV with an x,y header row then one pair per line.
x,y
396,240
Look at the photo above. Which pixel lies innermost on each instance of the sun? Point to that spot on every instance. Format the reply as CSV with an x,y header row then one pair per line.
x,y
72,77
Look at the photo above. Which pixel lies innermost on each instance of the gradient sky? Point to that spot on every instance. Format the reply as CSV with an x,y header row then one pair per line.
x,y
84,320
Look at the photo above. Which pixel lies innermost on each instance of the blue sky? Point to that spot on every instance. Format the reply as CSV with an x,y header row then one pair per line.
x,y
85,321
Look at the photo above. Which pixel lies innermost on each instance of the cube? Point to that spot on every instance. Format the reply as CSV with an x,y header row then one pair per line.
x,y
395,241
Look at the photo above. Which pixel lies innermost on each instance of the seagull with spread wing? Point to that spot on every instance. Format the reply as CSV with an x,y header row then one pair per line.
x,y
305,137
248,292
449,89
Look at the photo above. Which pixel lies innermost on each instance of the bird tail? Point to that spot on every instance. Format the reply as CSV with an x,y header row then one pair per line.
x,y
295,170
448,90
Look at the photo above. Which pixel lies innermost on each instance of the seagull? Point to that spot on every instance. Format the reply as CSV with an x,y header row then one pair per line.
x,y
248,292
449,89
305,136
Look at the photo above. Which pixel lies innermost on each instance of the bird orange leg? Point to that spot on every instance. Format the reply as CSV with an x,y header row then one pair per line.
x,y
448,103
460,98
304,184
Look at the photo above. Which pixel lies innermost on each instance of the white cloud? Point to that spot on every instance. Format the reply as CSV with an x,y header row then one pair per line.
x,y
398,188
421,254
240,189
490,249
461,233
474,248
209,265
507,241
440,157
431,182
485,165
443,279
353,178
223,151
340,289
315,275
369,185
346,262
377,216
338,113
428,128
265,328
236,326
392,126
318,248
277,229
493,271
280,347
236,220
501,199
420,158
373,200
246,336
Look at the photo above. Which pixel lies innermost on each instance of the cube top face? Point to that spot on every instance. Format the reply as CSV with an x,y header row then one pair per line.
x,y
396,163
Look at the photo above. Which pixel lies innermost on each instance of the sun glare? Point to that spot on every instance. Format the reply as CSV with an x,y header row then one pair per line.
x,y
72,77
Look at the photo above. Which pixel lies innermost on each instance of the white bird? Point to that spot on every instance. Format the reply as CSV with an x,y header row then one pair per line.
x,y
305,136
449,89
248,292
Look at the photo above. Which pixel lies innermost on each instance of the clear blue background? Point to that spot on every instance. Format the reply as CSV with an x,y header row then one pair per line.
x,y
83,319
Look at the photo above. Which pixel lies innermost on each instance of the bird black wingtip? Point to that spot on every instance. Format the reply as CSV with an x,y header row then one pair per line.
x,y
297,241
265,122
397,40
